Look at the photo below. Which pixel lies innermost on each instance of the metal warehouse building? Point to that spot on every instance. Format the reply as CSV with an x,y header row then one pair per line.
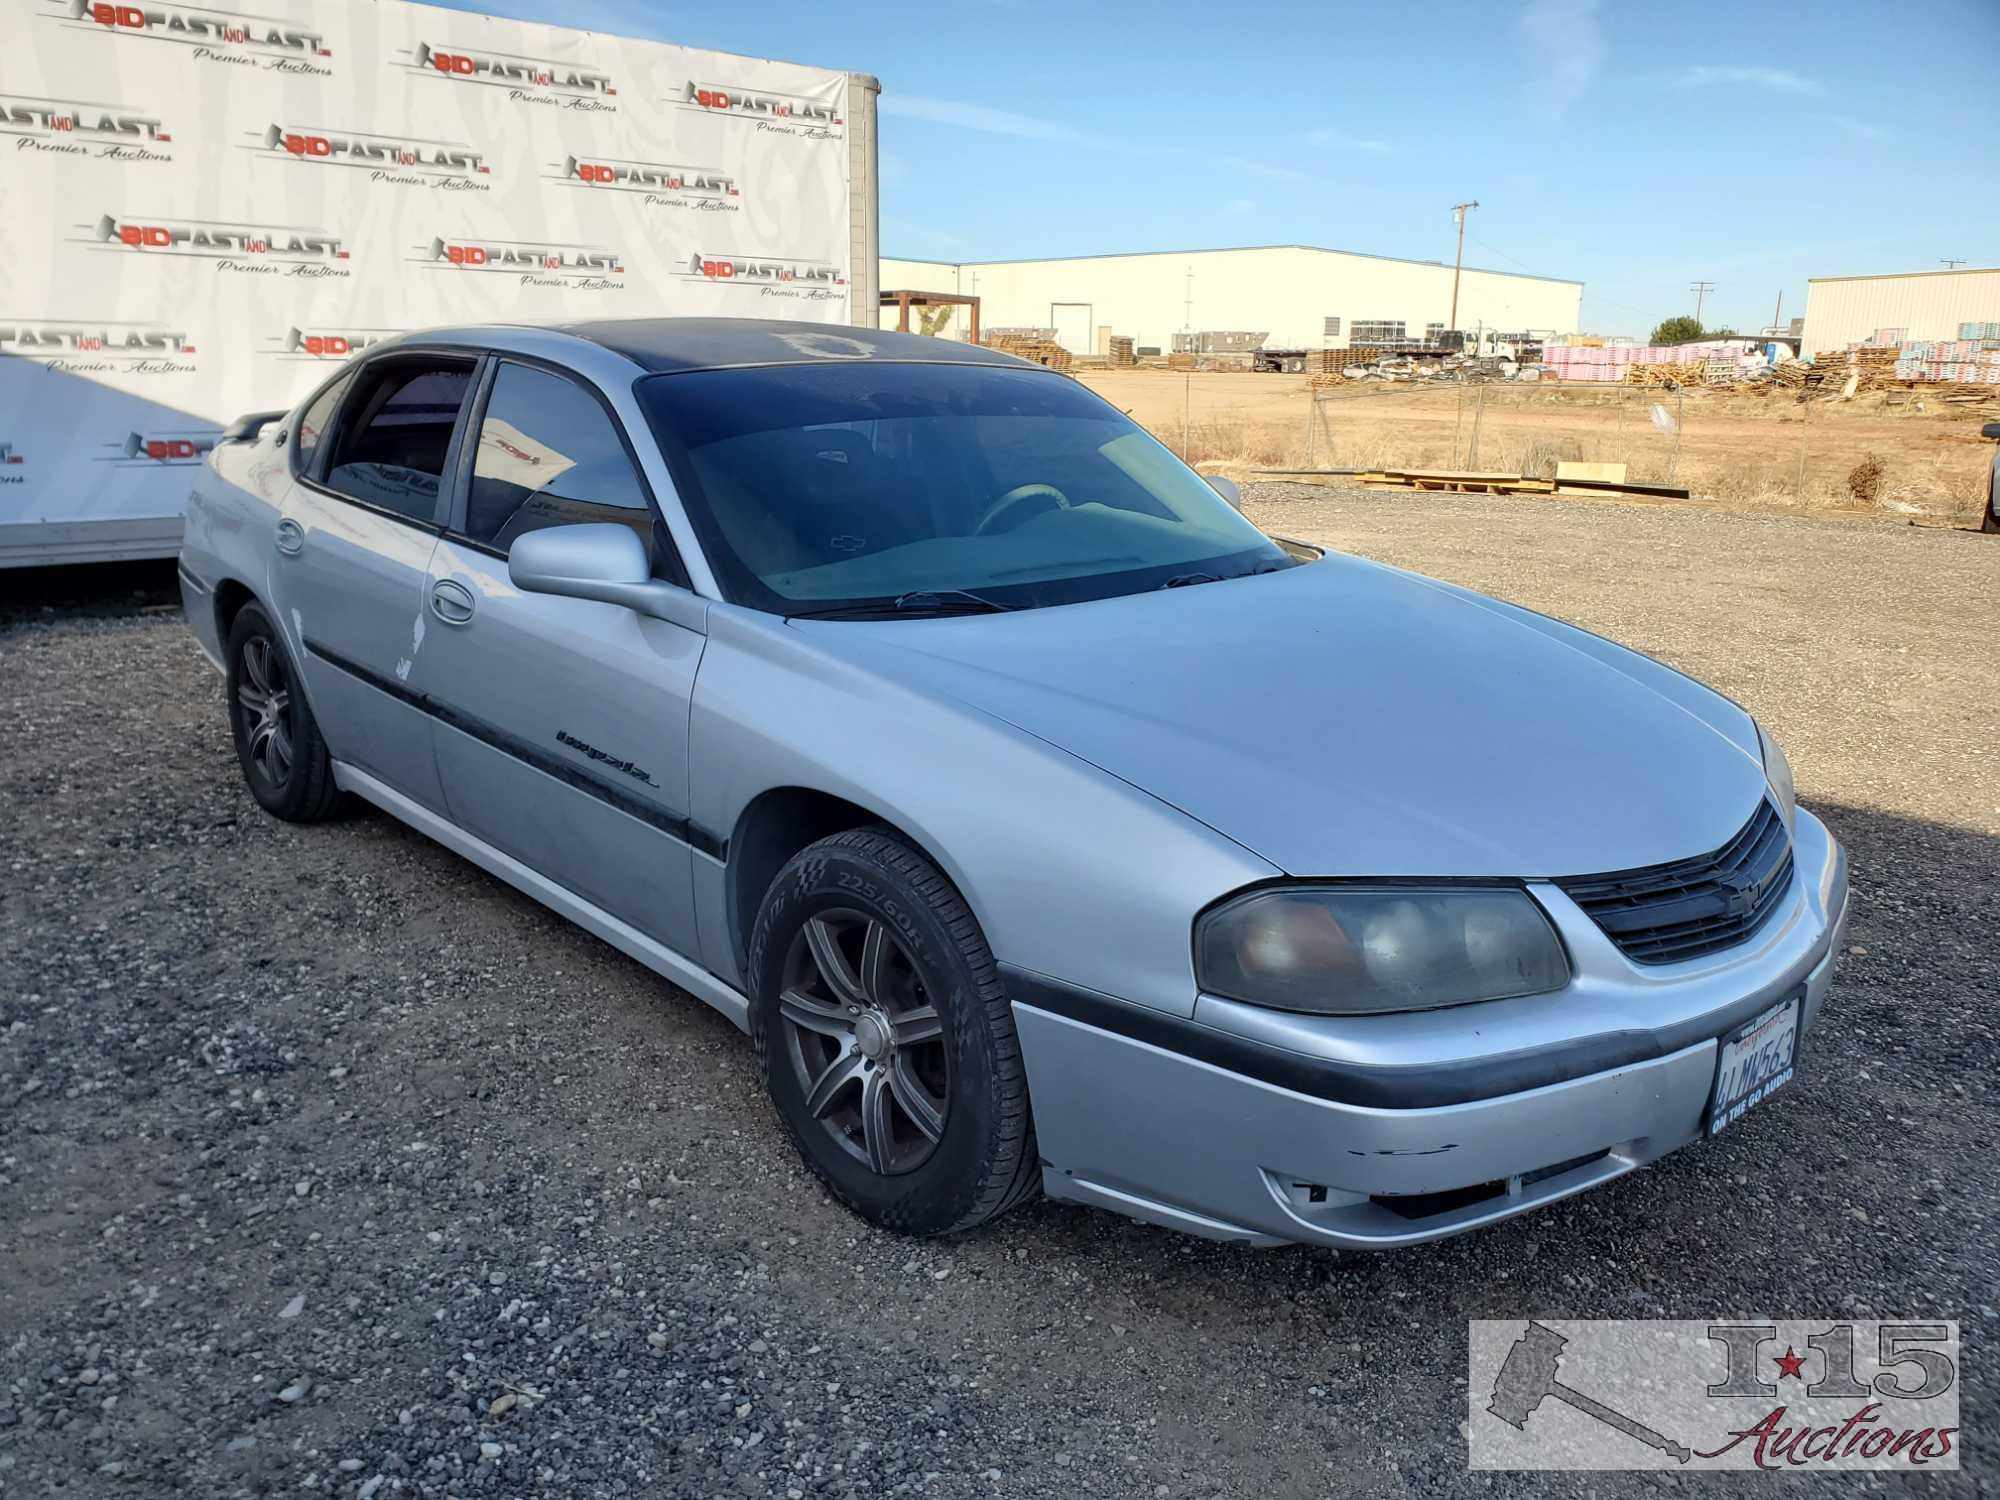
x,y
1302,296
1843,310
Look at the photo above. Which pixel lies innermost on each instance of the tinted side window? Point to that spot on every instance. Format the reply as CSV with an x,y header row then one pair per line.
x,y
392,443
314,422
549,455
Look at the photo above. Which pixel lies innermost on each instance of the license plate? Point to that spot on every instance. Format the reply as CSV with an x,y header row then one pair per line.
x,y
1756,1061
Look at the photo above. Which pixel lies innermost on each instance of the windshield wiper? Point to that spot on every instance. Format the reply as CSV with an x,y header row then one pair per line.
x,y
1187,580
934,599
918,602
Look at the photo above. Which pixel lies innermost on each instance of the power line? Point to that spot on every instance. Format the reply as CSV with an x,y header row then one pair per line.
x,y
1701,289
1951,265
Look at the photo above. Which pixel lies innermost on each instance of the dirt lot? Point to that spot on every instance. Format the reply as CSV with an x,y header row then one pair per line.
x,y
1739,449
317,1145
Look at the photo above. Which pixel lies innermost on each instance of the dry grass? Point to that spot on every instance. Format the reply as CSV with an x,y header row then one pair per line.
x,y
1756,452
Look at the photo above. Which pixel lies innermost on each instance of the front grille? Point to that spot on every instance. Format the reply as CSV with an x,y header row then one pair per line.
x,y
1666,913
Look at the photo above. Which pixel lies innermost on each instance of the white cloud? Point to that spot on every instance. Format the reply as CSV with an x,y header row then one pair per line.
x,y
1776,80
1006,122
1326,138
1858,129
1239,206
1567,39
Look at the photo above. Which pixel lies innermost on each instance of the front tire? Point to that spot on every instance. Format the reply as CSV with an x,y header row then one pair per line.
x,y
285,762
885,1040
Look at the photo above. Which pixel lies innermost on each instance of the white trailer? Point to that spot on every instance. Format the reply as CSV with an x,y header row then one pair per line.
x,y
208,207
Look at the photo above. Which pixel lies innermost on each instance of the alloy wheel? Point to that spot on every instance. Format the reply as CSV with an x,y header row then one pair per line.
x,y
865,1041
264,704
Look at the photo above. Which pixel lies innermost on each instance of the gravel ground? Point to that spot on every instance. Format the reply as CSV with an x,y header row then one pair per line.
x,y
329,1164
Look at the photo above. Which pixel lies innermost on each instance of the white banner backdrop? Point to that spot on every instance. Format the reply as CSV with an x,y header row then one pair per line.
x,y
206,210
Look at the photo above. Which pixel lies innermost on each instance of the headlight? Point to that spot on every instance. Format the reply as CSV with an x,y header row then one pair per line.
x,y
1360,950
1778,771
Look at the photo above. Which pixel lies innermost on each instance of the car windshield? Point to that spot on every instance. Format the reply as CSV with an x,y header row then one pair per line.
x,y
844,487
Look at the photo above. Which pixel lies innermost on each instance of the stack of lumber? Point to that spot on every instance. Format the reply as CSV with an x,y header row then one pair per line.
x,y
1652,376
1333,361
1041,351
1122,357
1456,481
1181,360
1575,479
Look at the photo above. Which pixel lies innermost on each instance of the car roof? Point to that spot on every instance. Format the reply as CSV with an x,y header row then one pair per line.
x,y
666,345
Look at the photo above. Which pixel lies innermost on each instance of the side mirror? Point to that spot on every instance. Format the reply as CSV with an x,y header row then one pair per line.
x,y
1990,430
1226,488
600,561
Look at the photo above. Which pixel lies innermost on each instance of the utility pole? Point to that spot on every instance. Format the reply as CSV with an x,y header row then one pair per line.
x,y
1777,316
1458,212
1700,289
1952,265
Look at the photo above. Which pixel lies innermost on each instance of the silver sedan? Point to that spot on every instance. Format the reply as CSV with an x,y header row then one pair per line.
x,y
1047,826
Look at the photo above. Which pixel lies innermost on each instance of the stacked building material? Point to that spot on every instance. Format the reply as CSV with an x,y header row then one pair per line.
x,y
1979,330
1122,357
1571,362
1974,361
1042,351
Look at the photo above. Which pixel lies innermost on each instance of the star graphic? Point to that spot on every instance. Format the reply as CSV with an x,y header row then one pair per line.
x,y
1790,1364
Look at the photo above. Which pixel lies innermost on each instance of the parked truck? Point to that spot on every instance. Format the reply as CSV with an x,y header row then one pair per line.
x,y
198,230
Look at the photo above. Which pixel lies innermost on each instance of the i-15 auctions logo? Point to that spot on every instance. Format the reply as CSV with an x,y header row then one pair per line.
x,y
398,159
11,464
659,182
1843,1394
231,246
528,80
537,262
785,114
113,132
217,35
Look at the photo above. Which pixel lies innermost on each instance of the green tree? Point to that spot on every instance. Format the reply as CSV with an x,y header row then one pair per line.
x,y
1681,330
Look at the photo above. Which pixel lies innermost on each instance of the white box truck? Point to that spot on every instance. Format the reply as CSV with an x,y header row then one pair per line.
x,y
206,207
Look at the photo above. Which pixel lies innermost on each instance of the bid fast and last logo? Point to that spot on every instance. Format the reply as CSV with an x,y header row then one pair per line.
x,y
12,462
535,262
770,111
100,132
812,281
658,184
173,449
316,344
390,160
217,35
92,347
527,80
269,249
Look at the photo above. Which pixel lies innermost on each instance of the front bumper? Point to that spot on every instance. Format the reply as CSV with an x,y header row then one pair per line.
x,y
1377,1131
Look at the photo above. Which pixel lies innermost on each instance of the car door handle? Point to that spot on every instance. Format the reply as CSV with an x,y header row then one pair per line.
x,y
290,537
451,602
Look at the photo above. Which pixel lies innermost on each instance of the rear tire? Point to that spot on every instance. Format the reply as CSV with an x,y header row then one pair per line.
x,y
885,1040
284,761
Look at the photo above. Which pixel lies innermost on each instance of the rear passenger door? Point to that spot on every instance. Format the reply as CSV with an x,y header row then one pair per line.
x,y
353,552
561,724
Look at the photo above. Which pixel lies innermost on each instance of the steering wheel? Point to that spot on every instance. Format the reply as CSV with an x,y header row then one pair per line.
x,y
1021,494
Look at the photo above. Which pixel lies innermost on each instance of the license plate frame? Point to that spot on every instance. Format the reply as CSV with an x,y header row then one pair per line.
x,y
1754,1061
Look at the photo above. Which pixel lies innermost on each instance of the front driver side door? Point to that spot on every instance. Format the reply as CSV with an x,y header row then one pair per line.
x,y
561,725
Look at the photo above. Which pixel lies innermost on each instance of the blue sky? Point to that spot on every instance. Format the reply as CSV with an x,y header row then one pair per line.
x,y
1637,148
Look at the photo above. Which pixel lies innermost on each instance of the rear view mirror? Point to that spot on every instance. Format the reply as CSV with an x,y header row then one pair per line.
x,y
1991,429
600,561
1226,488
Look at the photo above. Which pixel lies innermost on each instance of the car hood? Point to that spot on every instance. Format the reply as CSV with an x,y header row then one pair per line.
x,y
1346,718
